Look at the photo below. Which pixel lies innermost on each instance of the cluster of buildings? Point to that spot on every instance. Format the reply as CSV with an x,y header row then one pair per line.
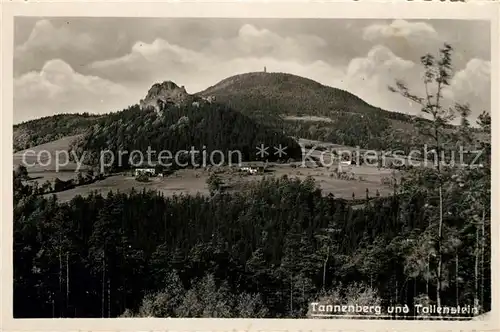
x,y
146,171
249,170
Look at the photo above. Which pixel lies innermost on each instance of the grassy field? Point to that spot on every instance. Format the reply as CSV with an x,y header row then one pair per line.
x,y
42,158
193,181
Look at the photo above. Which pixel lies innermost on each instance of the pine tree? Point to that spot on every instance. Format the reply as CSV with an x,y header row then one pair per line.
x,y
436,78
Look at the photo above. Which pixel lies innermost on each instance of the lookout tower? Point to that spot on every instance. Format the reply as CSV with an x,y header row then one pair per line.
x,y
265,70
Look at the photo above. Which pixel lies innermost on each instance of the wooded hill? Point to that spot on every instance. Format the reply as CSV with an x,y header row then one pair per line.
x,y
205,126
50,128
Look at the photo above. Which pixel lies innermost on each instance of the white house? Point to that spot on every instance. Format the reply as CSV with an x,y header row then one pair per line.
x,y
249,170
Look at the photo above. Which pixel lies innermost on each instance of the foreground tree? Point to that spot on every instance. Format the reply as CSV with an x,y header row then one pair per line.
x,y
435,125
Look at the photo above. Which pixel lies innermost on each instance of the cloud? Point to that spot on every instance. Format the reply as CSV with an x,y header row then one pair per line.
x,y
57,88
161,59
47,41
46,37
369,78
408,40
148,62
255,42
411,31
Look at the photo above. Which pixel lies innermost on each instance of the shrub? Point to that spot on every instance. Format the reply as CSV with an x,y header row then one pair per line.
x,y
214,183
21,172
141,177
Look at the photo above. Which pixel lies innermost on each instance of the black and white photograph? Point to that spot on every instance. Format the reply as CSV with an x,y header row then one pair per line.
x,y
232,167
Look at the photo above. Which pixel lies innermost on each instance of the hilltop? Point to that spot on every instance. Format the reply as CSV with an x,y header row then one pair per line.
x,y
165,94
282,93
284,101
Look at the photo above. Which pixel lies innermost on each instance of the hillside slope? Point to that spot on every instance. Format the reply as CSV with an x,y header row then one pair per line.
x,y
47,129
213,128
281,93
281,100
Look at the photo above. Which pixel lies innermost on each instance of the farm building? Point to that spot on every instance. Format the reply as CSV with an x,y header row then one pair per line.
x,y
249,170
147,171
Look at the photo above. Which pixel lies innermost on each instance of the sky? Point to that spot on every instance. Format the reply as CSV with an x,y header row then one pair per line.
x,y
100,65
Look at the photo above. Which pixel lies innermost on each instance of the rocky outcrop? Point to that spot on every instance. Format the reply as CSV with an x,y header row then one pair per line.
x,y
163,94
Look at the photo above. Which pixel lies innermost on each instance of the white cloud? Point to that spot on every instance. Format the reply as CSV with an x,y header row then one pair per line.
x,y
255,42
473,85
148,62
411,31
57,88
46,37
408,40
162,60
48,42
369,78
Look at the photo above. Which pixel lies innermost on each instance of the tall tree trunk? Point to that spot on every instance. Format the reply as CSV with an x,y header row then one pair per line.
x,y
303,289
440,255
456,278
476,269
291,294
103,286
67,280
109,297
324,269
397,301
60,297
414,289
483,239
428,273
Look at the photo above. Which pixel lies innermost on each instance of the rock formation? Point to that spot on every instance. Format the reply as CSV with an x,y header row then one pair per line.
x,y
167,93
163,94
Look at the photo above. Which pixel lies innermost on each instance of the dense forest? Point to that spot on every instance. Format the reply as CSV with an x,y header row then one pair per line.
x,y
267,251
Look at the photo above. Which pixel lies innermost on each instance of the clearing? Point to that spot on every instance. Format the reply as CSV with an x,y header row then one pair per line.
x,y
193,181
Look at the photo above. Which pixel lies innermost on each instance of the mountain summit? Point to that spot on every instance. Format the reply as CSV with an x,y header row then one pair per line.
x,y
287,94
165,93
